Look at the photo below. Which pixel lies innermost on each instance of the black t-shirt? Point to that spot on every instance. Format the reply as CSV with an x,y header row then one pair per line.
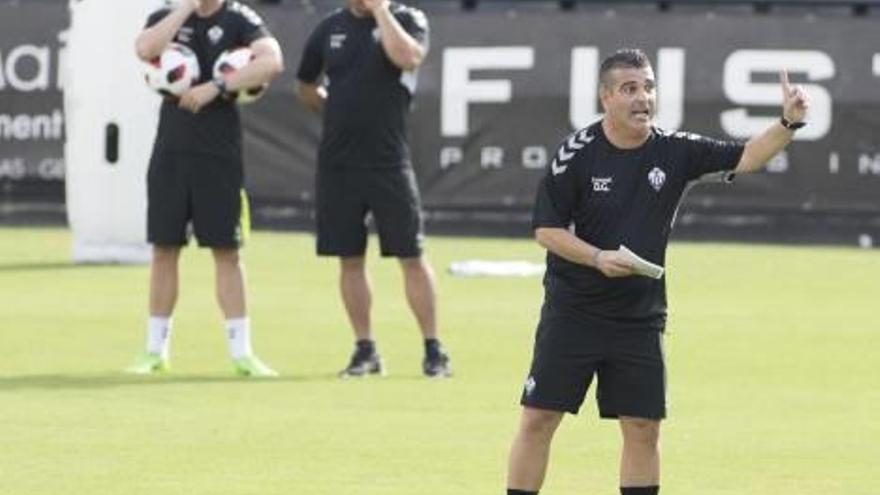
x,y
216,129
368,96
607,197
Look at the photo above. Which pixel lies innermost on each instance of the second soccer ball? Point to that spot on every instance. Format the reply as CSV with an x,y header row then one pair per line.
x,y
231,61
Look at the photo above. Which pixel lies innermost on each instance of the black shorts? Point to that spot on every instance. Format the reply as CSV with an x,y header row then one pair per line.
x,y
391,196
197,190
569,352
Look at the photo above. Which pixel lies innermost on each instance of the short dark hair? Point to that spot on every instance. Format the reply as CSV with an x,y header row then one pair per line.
x,y
625,58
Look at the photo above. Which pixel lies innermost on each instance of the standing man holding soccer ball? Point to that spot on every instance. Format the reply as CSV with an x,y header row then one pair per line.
x,y
618,182
369,53
195,176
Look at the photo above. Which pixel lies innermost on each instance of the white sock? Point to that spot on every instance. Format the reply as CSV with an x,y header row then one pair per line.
x,y
238,331
159,336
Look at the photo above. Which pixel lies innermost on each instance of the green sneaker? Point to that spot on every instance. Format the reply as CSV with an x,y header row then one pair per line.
x,y
252,366
147,364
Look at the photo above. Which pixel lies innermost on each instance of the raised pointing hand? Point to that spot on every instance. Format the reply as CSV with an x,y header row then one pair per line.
x,y
795,101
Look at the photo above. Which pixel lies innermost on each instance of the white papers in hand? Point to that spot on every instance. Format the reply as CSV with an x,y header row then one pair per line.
x,y
640,265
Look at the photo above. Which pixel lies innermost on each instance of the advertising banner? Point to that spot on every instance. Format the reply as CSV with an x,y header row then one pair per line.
x,y
501,88
31,111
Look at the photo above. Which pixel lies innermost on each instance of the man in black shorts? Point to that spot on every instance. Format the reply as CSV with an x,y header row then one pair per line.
x,y
617,183
369,53
196,175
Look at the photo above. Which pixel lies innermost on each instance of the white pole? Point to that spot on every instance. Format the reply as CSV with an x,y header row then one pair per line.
x,y
111,119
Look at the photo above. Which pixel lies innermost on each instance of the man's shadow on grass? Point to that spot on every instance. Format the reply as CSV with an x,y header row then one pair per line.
x,y
118,380
50,266
110,380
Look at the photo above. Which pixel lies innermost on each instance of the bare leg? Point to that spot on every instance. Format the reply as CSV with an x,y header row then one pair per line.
x,y
164,280
421,294
640,460
232,296
230,283
530,452
356,295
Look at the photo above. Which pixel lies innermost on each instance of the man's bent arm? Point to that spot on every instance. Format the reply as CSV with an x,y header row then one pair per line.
x,y
312,95
563,243
266,65
153,40
567,245
403,50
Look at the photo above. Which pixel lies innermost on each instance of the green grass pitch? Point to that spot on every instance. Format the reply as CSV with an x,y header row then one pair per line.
x,y
773,363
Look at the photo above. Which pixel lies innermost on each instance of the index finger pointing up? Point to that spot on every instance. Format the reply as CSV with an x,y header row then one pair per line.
x,y
783,78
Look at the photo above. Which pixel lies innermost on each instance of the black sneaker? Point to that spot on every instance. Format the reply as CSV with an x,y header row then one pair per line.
x,y
437,365
363,363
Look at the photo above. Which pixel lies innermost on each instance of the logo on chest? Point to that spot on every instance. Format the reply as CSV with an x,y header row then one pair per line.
x,y
215,34
602,184
336,40
657,177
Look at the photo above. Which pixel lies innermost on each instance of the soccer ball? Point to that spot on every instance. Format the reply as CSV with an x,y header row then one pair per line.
x,y
173,72
229,62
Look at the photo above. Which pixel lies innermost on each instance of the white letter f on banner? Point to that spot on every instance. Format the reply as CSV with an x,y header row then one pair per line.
x,y
459,90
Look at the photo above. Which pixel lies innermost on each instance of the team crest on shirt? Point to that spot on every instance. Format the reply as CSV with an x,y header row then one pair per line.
x,y
657,177
215,34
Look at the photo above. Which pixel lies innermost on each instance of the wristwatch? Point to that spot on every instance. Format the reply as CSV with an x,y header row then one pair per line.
x,y
220,82
791,126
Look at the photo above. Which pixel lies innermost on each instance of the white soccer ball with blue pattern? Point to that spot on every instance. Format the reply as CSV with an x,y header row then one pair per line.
x,y
231,61
174,71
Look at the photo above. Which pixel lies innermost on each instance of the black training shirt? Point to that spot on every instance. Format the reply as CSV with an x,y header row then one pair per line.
x,y
610,196
216,129
368,96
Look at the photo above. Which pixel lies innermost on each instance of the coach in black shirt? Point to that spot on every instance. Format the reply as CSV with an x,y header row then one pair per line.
x,y
617,182
196,176
368,54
